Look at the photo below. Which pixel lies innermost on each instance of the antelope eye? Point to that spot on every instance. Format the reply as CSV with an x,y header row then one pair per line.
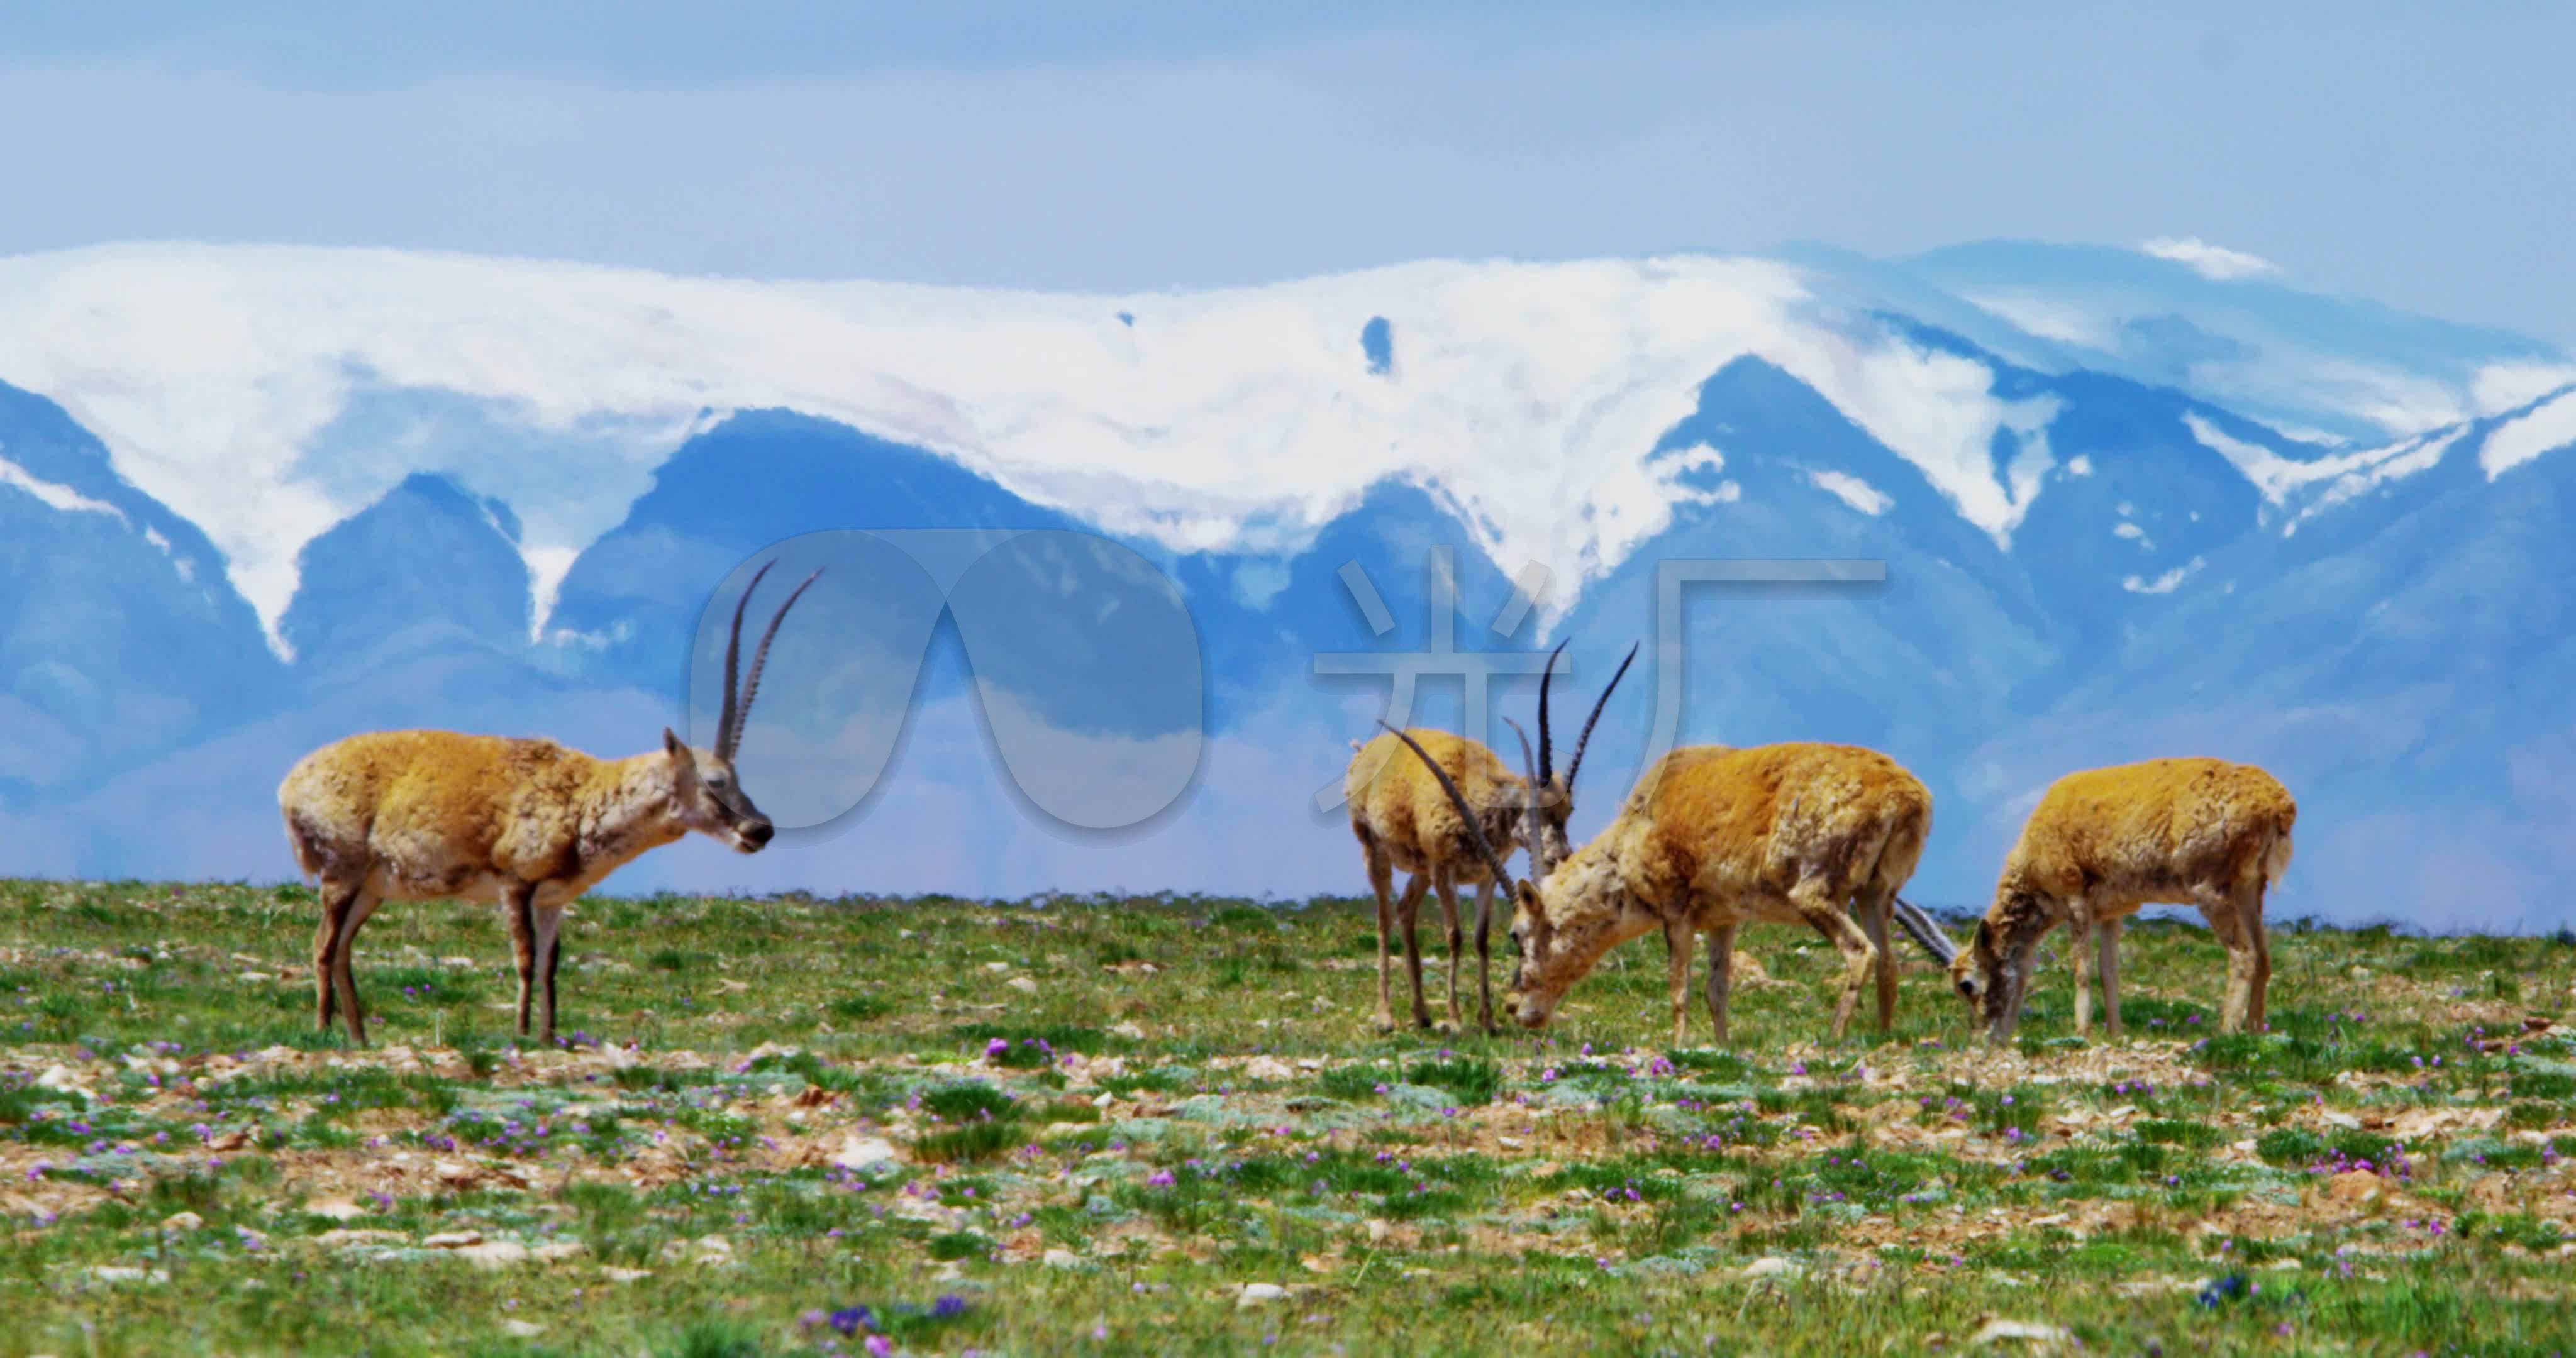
x,y
1968,988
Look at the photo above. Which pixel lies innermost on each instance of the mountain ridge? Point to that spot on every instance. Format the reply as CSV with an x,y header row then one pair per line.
x,y
2066,544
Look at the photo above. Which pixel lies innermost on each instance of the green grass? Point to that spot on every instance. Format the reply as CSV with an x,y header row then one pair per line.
x,y
1101,1163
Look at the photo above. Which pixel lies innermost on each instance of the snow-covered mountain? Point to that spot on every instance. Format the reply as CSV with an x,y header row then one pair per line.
x,y
2130,502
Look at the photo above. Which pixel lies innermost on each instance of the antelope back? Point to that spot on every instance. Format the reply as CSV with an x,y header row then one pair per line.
x,y
1401,804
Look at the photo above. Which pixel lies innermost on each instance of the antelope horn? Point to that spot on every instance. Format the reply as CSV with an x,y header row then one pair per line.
x,y
759,658
1529,803
1576,764
1466,813
1926,933
1546,746
730,713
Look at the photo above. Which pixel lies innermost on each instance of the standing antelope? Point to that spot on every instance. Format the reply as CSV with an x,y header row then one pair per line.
x,y
1402,822
1710,839
529,824
2104,842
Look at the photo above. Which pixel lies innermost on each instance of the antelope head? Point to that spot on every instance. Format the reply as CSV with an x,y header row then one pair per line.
x,y
705,795
1554,952
1553,805
1993,970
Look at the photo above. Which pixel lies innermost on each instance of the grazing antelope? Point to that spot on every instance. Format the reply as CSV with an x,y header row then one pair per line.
x,y
1710,839
1403,822
529,824
2104,842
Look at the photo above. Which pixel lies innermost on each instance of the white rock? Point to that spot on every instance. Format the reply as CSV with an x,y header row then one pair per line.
x,y
494,1254
524,1329
183,1221
1023,985
560,1250
997,968
344,1239
1770,1266
1128,1030
1268,1068
1997,1331
624,1275
1256,1294
64,1080
1062,1258
336,1209
452,1240
862,1152
119,1273
712,1250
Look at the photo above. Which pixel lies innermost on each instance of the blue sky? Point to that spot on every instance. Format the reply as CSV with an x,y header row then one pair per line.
x,y
2416,154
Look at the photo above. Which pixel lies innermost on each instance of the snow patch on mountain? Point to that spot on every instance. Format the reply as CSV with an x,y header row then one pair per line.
x,y
1939,411
268,393
57,496
2501,388
2050,319
2213,262
2314,367
2549,425
1853,491
2315,485
2166,583
2357,473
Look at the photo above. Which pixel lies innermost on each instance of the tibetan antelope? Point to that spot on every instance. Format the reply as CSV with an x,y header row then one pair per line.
x,y
528,824
2104,842
1713,838
1404,822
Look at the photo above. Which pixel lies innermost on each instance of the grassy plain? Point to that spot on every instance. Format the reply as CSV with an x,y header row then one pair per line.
x,y
1168,1125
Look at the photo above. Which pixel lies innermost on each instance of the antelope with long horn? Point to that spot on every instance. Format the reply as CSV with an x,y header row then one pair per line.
x,y
1713,838
1403,821
528,824
2104,842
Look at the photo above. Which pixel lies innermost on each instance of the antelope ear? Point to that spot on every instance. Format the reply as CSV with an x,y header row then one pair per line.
x,y
671,743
